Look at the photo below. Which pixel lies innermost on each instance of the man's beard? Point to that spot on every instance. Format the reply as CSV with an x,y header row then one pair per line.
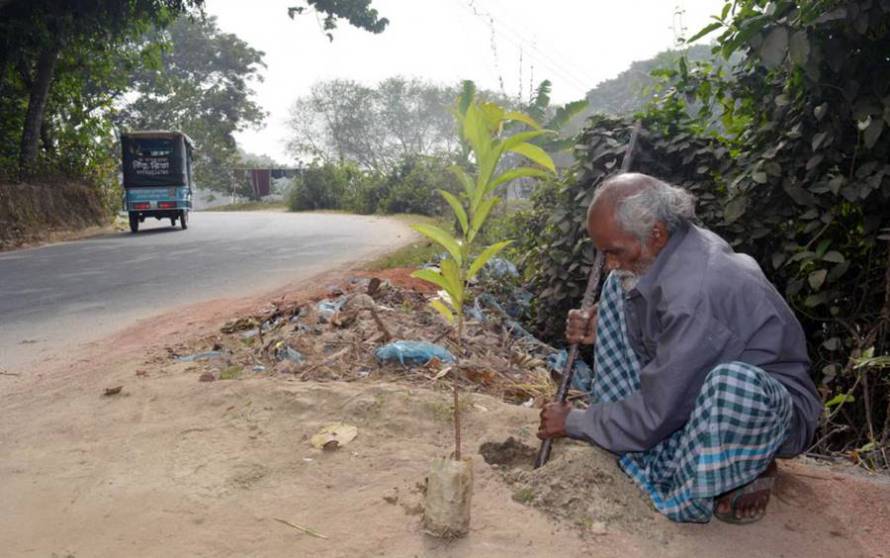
x,y
631,278
628,279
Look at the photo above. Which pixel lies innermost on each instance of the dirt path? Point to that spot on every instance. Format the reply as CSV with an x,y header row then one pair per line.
x,y
176,467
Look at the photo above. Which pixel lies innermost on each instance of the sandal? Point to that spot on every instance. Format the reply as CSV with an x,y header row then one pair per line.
x,y
760,484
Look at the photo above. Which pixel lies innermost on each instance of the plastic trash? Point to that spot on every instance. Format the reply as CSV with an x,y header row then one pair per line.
x,y
475,311
519,304
412,352
499,267
327,308
582,377
289,353
199,356
514,327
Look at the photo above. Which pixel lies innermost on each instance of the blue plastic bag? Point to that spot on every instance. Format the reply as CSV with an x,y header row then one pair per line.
x,y
582,377
412,352
499,267
327,308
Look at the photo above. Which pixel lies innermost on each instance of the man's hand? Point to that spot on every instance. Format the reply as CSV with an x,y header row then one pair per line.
x,y
553,420
581,326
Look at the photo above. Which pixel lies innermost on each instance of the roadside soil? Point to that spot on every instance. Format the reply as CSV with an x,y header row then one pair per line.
x,y
49,209
173,466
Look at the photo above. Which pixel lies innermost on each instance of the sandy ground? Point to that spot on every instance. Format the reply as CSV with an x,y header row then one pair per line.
x,y
176,467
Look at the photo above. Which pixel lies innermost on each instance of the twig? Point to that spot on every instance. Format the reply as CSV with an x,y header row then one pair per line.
x,y
386,334
306,530
327,360
4,373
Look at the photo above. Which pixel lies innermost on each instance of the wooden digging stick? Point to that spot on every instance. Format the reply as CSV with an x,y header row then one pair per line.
x,y
587,303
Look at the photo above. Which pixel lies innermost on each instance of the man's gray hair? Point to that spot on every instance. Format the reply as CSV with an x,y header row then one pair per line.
x,y
639,201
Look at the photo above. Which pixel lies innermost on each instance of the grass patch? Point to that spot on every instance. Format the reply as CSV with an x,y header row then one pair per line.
x,y
251,206
524,495
418,252
230,373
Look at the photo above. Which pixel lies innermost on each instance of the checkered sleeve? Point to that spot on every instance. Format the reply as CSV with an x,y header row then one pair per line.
x,y
690,345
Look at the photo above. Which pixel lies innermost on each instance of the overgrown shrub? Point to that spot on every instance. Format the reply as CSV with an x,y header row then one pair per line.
x,y
320,187
412,186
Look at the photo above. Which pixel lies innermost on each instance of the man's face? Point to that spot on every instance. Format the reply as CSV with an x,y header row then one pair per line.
x,y
623,252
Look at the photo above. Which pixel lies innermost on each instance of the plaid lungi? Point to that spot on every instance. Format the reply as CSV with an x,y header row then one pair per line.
x,y
740,418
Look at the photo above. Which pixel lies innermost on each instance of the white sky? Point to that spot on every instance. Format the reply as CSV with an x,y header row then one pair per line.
x,y
573,43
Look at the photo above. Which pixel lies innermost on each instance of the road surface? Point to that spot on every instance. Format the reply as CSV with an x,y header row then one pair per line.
x,y
55,296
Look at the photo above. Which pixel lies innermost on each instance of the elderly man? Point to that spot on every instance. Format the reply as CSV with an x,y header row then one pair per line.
x,y
701,368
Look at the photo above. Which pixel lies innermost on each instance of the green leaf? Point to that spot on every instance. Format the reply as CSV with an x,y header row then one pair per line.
x,y
458,209
799,49
434,277
833,256
494,117
468,93
711,27
443,309
514,173
481,215
873,132
817,278
535,154
476,131
486,255
759,177
451,272
524,118
464,179
774,47
442,238
522,137
735,209
840,399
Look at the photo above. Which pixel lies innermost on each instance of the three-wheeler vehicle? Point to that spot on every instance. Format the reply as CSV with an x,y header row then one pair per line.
x,y
157,169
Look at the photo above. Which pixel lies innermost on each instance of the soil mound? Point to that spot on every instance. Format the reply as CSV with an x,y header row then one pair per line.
x,y
580,484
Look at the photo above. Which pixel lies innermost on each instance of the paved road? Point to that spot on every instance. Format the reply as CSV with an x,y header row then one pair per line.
x,y
72,292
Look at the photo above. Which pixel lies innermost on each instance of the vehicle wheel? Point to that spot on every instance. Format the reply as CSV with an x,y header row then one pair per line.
x,y
134,222
184,219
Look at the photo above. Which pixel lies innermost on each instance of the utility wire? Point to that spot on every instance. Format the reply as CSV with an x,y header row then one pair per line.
x,y
519,42
555,57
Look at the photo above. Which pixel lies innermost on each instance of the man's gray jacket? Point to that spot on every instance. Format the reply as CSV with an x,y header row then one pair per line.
x,y
700,305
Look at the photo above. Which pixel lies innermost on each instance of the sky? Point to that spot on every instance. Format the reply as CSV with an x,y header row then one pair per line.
x,y
502,45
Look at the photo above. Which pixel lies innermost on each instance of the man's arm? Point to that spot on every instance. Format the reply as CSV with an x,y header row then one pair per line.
x,y
689,346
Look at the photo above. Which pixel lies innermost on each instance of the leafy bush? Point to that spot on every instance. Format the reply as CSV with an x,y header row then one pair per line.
x,y
412,186
321,187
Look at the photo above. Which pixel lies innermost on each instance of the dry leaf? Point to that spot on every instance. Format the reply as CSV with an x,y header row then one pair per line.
x,y
334,436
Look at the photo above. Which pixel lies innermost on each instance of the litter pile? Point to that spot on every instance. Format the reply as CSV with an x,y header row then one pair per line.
x,y
382,328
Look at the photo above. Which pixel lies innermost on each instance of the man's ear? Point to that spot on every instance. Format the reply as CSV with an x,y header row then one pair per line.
x,y
659,237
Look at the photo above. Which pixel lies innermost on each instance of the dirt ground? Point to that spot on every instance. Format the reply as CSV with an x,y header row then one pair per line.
x,y
172,466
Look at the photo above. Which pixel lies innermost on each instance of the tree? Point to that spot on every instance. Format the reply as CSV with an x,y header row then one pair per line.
x,y
37,33
481,127
202,87
358,13
374,127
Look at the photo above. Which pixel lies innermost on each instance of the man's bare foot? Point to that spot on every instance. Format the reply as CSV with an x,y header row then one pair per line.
x,y
747,504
